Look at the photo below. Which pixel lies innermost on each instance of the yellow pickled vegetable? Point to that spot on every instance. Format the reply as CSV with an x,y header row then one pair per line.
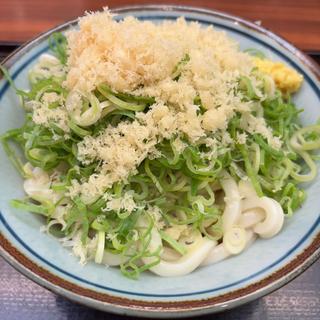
x,y
286,79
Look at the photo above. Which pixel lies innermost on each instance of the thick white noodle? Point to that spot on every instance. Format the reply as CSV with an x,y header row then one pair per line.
x,y
197,252
220,253
246,189
217,254
242,220
274,217
233,202
234,240
250,218
37,187
168,254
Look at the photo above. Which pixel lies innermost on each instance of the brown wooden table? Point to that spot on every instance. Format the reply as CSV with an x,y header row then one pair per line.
x,y
297,21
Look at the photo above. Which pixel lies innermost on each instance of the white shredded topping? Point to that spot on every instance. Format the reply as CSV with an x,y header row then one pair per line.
x,y
125,203
139,57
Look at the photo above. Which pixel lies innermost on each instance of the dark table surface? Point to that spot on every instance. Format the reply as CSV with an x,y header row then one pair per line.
x,y
22,299
297,21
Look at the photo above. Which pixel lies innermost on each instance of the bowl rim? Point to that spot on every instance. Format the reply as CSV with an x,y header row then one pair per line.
x,y
160,309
